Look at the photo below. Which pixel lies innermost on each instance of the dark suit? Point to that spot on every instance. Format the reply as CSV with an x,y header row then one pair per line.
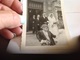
x,y
43,20
37,25
34,25
41,36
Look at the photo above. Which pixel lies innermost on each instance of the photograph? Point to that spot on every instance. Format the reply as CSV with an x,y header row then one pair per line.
x,y
44,23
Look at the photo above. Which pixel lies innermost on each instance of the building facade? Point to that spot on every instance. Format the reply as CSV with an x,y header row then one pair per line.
x,y
48,6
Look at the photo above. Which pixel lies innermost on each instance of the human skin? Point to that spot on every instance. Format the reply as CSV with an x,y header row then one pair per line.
x,y
9,18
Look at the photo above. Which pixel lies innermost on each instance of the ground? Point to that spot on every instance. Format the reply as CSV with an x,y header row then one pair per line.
x,y
33,41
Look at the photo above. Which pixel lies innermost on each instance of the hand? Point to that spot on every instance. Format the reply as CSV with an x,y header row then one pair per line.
x,y
43,41
9,18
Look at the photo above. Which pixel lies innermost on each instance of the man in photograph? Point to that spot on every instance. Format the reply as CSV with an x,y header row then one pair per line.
x,y
43,19
34,24
37,23
45,37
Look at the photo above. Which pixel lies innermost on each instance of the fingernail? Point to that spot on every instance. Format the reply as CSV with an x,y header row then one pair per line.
x,y
20,32
14,35
22,20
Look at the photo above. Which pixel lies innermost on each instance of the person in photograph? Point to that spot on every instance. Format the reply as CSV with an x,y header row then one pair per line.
x,y
38,23
60,24
34,24
45,37
52,23
43,19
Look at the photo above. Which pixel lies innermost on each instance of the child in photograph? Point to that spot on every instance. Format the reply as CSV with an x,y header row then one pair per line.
x,y
45,37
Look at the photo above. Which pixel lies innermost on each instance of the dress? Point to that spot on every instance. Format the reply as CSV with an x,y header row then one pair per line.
x,y
53,26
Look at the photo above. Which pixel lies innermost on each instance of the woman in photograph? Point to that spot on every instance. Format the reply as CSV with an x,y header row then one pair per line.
x,y
45,37
52,23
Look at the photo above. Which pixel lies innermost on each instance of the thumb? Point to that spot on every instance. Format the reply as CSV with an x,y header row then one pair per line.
x,y
9,19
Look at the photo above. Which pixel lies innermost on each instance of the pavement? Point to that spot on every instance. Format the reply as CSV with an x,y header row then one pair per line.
x,y
33,41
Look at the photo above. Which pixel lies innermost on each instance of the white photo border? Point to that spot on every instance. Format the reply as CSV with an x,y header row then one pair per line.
x,y
42,49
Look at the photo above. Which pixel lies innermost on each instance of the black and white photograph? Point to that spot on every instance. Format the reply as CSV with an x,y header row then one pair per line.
x,y
45,25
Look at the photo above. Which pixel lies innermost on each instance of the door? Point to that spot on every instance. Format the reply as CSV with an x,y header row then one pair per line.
x,y
32,12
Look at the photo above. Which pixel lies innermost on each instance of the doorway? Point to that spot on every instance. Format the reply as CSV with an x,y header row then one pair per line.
x,y
32,12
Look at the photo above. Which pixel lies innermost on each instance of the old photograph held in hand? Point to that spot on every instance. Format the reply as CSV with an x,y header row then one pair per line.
x,y
44,24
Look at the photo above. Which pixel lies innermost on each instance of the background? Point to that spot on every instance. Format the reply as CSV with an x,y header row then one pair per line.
x,y
72,16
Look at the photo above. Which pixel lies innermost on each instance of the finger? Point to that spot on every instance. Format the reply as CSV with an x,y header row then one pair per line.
x,y
9,19
6,33
14,4
17,6
17,30
3,7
